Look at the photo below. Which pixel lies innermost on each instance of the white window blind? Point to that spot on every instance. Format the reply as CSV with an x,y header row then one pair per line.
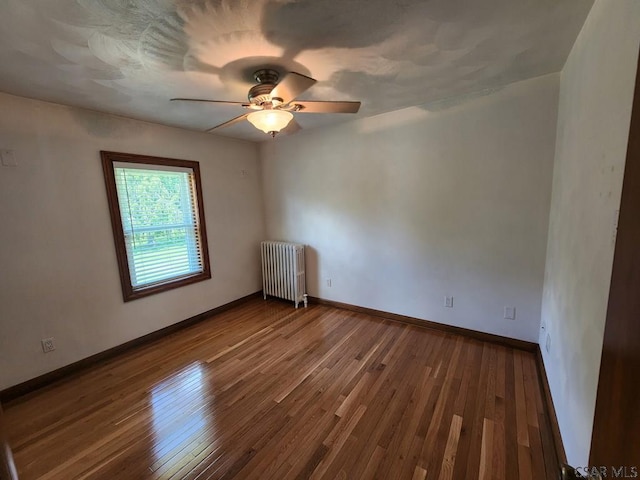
x,y
159,213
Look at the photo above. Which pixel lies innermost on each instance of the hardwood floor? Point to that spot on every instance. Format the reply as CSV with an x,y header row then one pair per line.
x,y
265,391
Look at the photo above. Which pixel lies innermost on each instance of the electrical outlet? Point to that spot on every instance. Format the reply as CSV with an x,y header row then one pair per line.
x,y
548,343
48,345
8,158
510,313
448,301
328,281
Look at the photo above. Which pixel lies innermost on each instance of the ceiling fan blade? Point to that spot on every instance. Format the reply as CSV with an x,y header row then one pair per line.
x,y
326,107
228,123
242,104
292,85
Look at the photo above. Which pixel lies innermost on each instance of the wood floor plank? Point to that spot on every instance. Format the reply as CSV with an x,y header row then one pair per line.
x,y
264,391
373,462
524,463
520,401
449,460
510,419
406,453
486,449
470,443
433,450
498,463
419,474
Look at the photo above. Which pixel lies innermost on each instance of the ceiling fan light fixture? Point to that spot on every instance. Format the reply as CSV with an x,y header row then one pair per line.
x,y
270,120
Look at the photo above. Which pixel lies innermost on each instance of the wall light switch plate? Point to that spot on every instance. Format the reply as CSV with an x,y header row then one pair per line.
x,y
448,302
510,313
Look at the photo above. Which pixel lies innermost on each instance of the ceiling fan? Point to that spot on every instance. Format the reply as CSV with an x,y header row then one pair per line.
x,y
273,102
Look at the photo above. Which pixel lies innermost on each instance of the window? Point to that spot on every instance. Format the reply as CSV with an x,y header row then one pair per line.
x,y
158,222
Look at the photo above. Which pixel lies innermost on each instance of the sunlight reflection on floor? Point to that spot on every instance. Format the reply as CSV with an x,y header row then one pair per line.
x,y
180,406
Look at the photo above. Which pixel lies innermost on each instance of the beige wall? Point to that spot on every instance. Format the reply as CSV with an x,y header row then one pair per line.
x,y
596,92
404,208
59,274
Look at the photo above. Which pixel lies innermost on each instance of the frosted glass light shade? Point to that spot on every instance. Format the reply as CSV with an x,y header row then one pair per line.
x,y
270,120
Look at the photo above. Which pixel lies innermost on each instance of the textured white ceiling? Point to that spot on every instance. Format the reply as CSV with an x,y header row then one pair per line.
x,y
129,57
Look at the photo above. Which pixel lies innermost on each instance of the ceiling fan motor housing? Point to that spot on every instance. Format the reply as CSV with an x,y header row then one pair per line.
x,y
261,93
